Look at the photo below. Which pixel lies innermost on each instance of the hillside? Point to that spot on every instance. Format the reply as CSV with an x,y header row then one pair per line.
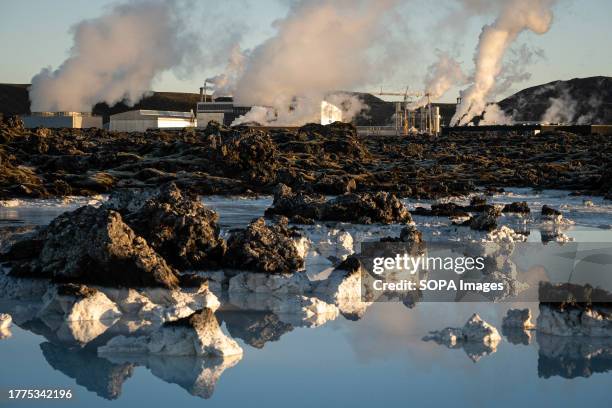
x,y
579,100
14,101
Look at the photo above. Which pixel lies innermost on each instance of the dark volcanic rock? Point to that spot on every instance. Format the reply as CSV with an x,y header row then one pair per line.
x,y
550,212
442,210
291,204
520,207
409,234
367,208
92,245
251,154
486,221
364,208
178,226
262,248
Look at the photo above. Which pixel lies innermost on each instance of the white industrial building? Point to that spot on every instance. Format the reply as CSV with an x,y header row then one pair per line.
x,y
76,120
141,120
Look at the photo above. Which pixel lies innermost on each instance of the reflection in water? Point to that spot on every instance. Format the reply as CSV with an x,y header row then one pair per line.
x,y
253,327
571,357
195,374
92,372
516,335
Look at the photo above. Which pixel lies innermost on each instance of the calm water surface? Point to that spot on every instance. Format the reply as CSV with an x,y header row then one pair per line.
x,y
375,360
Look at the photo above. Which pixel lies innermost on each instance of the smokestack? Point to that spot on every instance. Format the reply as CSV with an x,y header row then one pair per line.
x,y
201,94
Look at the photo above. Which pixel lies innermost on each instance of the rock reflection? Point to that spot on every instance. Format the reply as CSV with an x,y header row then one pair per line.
x,y
255,328
517,336
90,371
197,375
571,357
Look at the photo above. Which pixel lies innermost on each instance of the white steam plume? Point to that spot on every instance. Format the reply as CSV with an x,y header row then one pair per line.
x,y
515,17
441,76
115,57
321,45
225,83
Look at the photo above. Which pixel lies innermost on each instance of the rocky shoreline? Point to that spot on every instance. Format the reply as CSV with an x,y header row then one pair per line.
x,y
329,160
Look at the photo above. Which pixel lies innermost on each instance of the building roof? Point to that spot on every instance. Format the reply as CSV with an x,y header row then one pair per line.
x,y
140,113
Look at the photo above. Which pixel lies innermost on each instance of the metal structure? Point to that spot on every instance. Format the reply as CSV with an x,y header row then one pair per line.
x,y
142,119
425,119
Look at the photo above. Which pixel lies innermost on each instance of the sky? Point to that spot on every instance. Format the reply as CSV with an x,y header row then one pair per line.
x,y
37,33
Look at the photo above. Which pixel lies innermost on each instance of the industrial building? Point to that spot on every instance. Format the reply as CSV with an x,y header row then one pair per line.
x,y
76,120
141,120
219,109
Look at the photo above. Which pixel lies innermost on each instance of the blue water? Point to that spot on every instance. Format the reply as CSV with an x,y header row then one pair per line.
x,y
378,360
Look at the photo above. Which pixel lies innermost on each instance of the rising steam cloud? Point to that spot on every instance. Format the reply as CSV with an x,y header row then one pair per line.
x,y
320,46
442,75
115,57
515,17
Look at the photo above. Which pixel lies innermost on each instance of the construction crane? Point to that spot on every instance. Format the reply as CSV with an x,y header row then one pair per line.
x,y
405,118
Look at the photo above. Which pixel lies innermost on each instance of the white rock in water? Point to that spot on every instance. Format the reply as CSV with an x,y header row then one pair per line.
x,y
5,321
159,304
83,331
78,303
475,330
505,235
518,318
198,335
294,283
306,306
336,243
592,322
341,284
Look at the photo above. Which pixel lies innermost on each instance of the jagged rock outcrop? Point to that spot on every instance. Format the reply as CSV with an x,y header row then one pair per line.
x,y
195,335
519,207
361,208
91,245
549,213
485,221
178,226
264,248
